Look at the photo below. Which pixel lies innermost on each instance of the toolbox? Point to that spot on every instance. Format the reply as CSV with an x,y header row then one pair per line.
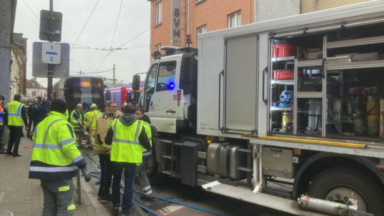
x,y
283,50
283,74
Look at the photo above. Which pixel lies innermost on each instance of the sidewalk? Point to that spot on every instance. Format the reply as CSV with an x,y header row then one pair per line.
x,y
24,197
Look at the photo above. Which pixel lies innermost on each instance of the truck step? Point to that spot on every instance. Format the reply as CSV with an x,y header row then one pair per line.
x,y
266,200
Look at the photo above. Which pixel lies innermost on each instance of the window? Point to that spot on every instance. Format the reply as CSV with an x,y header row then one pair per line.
x,y
150,86
158,14
234,20
33,85
166,79
202,29
158,47
34,94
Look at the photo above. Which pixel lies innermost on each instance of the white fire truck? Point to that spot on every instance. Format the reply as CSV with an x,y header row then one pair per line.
x,y
270,111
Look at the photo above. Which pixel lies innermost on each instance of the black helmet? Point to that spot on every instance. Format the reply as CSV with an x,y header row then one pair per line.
x,y
2,97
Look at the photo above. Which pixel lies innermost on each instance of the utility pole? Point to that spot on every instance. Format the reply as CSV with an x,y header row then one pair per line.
x,y
51,67
113,74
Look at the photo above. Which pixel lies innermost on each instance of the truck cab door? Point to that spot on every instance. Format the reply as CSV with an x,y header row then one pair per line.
x,y
162,99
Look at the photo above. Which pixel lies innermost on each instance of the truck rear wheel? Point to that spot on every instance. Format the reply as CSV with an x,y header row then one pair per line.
x,y
338,184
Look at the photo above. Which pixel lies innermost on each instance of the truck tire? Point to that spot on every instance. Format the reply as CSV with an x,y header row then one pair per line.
x,y
337,184
151,166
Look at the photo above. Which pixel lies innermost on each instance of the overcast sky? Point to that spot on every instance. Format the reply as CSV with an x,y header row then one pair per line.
x,y
98,33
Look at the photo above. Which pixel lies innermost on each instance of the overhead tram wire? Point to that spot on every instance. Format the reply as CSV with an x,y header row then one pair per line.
x,y
117,21
30,9
85,24
114,33
134,38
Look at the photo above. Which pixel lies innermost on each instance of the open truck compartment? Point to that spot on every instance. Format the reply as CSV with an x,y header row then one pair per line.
x,y
329,84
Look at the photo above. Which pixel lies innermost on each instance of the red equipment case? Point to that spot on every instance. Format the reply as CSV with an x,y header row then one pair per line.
x,y
283,74
283,50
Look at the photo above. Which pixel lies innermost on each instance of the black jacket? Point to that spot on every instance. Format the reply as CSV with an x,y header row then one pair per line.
x,y
40,113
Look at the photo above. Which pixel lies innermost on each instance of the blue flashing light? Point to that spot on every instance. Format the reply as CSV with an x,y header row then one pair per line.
x,y
171,86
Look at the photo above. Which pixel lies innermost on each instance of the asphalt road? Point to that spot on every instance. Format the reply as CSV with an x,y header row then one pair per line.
x,y
196,196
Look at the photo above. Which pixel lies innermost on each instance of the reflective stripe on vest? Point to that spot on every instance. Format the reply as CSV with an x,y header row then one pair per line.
x,y
52,169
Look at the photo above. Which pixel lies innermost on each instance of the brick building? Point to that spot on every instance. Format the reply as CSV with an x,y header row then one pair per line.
x,y
194,17
199,16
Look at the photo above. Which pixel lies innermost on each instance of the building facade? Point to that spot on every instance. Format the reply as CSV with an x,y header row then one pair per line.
x,y
7,20
173,20
193,17
18,78
316,5
35,89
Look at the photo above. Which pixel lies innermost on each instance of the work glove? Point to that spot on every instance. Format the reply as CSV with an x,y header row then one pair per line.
x,y
86,174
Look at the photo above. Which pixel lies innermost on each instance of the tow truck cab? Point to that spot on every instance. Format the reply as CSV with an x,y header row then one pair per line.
x,y
169,92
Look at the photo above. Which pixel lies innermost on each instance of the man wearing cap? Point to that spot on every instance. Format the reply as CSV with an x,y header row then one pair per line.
x,y
90,118
2,151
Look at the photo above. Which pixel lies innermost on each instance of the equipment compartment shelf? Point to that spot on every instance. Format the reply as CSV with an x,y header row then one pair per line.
x,y
355,65
281,108
355,42
289,58
283,82
310,63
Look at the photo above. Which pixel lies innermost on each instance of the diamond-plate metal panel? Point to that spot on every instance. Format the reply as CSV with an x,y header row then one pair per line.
x,y
266,200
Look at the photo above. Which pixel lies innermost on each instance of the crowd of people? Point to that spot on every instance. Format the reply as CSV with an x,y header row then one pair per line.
x,y
122,140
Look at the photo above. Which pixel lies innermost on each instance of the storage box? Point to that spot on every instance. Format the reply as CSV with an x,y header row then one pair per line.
x,y
365,57
283,74
283,50
313,54
278,162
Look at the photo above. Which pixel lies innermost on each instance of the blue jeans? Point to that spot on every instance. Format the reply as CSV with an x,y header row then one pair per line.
x,y
129,175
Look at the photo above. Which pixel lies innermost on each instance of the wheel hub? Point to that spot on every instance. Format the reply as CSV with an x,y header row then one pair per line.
x,y
342,195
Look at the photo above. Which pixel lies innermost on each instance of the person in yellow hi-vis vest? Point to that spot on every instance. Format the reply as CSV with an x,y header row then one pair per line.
x,y
128,137
55,161
90,118
16,118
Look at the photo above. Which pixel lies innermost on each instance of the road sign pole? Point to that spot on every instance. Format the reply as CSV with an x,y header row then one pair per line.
x,y
51,67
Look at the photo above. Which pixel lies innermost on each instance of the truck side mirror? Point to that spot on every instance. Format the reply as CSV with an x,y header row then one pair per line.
x,y
136,82
108,95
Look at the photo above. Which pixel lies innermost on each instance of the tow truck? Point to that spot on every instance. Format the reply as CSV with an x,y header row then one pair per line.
x,y
276,111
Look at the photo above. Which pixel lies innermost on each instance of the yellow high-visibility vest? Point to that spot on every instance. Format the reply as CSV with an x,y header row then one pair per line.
x,y
54,152
14,113
125,144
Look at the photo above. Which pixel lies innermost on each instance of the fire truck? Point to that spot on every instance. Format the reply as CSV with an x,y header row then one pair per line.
x,y
286,114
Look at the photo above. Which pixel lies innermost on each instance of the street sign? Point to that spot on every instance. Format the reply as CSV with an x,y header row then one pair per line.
x,y
51,53
57,19
40,69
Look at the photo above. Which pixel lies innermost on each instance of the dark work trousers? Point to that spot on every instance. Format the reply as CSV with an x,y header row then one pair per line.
x,y
58,197
142,178
1,137
106,175
15,134
129,176
30,123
